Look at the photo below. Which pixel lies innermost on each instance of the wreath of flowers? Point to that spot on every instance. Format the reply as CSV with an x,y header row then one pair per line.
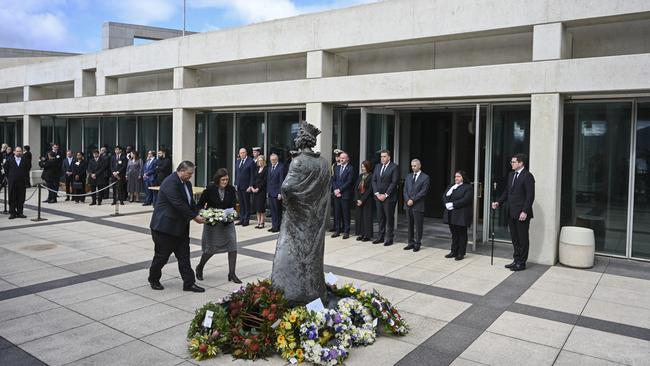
x,y
252,312
208,342
378,306
288,334
363,326
325,337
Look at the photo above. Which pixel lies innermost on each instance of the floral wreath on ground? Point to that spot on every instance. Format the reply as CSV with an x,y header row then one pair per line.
x,y
326,337
363,326
208,342
288,334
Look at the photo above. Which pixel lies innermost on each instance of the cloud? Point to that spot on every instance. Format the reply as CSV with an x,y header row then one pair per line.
x,y
144,12
31,24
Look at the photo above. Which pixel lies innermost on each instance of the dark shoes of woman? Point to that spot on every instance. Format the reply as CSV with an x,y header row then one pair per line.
x,y
199,272
259,226
233,278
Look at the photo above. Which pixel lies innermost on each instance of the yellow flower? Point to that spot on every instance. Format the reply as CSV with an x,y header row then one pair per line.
x,y
299,353
282,341
286,325
352,290
293,317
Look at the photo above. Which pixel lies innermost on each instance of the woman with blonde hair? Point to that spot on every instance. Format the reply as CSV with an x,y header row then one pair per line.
x,y
259,190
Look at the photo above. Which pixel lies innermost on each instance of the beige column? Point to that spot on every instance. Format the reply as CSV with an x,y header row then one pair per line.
x,y
546,165
551,42
32,137
321,115
183,136
322,64
185,77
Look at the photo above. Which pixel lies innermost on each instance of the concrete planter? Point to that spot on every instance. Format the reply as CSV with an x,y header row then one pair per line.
x,y
577,247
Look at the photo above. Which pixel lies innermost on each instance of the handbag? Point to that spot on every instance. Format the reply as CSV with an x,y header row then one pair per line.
x,y
77,185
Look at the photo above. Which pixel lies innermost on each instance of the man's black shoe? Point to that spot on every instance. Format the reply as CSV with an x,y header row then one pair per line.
x,y
92,204
510,265
378,241
365,239
194,288
459,257
335,235
113,203
156,285
21,216
67,199
450,255
409,247
359,238
346,235
388,243
146,204
416,248
11,217
518,267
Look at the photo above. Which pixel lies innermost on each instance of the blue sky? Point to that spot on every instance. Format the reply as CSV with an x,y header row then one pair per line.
x,y
75,25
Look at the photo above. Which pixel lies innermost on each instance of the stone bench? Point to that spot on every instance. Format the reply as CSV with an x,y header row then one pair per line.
x,y
577,247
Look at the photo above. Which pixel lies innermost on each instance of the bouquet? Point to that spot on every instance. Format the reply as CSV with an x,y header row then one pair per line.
x,y
214,216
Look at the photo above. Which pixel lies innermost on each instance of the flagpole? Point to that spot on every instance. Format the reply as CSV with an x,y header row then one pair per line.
x,y
184,5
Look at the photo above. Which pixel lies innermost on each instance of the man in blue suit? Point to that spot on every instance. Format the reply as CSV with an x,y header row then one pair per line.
x,y
244,174
170,226
149,177
416,187
384,185
342,189
276,174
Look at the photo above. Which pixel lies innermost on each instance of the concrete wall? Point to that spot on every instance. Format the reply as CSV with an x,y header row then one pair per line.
x,y
12,95
619,38
291,68
145,83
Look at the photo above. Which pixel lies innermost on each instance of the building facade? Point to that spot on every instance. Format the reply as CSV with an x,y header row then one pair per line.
x,y
459,85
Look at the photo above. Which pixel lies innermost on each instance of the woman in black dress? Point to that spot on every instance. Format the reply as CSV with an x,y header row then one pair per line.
x,y
364,202
458,213
259,191
219,238
79,177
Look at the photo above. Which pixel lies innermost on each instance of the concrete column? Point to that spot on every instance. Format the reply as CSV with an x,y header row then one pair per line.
x,y
321,115
546,165
322,64
184,77
105,85
32,137
31,92
183,136
85,84
551,42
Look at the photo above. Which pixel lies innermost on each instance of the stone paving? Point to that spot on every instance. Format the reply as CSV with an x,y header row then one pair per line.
x,y
74,291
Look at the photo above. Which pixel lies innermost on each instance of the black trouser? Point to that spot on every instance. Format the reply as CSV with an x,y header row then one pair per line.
x,y
119,190
93,187
16,198
386,213
68,184
54,186
416,224
165,245
341,215
276,212
79,192
458,239
519,235
364,220
244,206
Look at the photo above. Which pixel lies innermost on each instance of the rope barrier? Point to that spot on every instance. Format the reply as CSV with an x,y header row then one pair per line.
x,y
58,193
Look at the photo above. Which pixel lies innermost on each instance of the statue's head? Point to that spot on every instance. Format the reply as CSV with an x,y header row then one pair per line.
x,y
306,138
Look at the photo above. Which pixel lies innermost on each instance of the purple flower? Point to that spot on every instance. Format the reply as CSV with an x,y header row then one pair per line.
x,y
333,353
311,335
337,318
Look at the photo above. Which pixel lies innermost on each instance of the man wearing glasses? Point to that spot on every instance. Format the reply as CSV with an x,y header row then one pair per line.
x,y
519,194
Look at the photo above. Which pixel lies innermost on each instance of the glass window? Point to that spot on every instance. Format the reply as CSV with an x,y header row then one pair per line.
x,y
147,134
108,135
91,135
283,128
10,134
220,143
250,131
47,134
595,171
60,133
199,160
640,229
75,132
19,132
165,128
126,131
346,134
381,135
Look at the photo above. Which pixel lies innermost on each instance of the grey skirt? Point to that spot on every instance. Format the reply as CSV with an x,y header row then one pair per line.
x,y
219,238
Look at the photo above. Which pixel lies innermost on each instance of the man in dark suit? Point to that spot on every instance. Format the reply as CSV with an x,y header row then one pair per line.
x,y
66,168
170,227
343,192
416,187
27,155
149,177
519,194
51,175
276,174
384,185
118,174
16,168
244,173
59,161
94,166
163,169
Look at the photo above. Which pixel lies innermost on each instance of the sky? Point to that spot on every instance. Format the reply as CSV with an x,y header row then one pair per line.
x,y
76,25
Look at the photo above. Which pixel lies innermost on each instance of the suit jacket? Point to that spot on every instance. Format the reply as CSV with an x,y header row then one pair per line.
x,y
211,197
119,165
80,170
275,179
16,174
343,180
173,212
386,183
416,192
51,170
367,189
261,178
149,170
163,169
245,174
520,197
66,167
103,169
462,198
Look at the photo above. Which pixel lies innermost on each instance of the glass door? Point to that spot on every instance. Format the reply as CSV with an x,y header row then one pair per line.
x,y
379,128
640,235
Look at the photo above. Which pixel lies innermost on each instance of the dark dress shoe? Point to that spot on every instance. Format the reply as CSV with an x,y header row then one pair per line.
x,y
46,201
194,288
11,217
99,203
146,204
122,203
459,257
365,239
346,235
246,224
518,267
409,247
233,277
156,285
113,203
416,248
335,235
21,216
450,255
388,243
510,265
67,199
238,223
92,204
274,230
359,238
378,241
199,273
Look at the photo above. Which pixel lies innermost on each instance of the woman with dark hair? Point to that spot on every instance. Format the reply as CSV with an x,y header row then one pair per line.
x,y
458,213
259,190
220,238
134,176
363,200
79,177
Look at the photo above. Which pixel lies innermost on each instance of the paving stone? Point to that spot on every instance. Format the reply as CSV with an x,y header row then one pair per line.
x,y
567,358
532,329
134,353
79,292
148,320
495,349
24,305
34,326
613,347
553,301
110,305
433,307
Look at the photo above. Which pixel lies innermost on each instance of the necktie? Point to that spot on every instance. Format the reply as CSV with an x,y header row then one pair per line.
x,y
512,187
415,177
273,169
241,163
381,174
341,170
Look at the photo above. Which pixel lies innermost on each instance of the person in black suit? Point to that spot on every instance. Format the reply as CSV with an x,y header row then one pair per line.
x,y
170,227
16,169
118,174
416,187
79,174
59,161
66,168
51,175
384,185
163,169
259,190
519,194
27,155
458,199
343,192
103,174
362,197
276,174
244,175
93,167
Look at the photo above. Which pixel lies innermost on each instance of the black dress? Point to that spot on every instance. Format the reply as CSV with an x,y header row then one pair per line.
x,y
259,198
363,193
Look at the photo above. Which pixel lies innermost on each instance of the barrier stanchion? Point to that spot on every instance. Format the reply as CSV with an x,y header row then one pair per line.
x,y
116,199
5,212
38,217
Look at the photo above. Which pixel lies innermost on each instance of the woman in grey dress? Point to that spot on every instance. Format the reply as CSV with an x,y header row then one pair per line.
x,y
220,238
134,177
